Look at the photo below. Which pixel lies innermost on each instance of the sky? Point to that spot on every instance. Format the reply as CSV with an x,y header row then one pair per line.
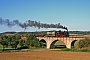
x,y
74,14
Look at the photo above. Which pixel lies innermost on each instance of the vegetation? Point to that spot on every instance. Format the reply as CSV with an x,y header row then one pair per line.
x,y
17,42
3,41
84,43
32,41
43,32
79,32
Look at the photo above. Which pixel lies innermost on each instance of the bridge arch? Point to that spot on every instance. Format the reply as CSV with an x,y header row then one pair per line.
x,y
73,43
52,45
43,42
68,41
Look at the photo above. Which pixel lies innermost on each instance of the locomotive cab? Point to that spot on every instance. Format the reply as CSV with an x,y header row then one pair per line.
x,y
62,33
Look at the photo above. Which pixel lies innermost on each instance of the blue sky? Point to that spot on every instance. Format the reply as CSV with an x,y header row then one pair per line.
x,y
74,14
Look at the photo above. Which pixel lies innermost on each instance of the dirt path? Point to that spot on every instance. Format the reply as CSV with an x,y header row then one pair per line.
x,y
45,55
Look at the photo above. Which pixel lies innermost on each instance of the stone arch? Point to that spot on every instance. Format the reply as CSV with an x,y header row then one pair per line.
x,y
53,43
44,42
72,43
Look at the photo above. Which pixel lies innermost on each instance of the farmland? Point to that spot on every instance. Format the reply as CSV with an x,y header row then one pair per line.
x,y
45,55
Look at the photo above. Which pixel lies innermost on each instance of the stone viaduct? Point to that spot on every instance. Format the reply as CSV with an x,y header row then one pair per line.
x,y
68,41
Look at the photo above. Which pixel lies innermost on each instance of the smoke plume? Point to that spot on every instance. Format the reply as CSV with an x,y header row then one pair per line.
x,y
29,23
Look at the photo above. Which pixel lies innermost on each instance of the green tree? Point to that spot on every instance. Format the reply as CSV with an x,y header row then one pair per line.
x,y
84,43
17,36
81,44
32,41
36,42
22,43
14,41
9,40
3,41
42,44
29,41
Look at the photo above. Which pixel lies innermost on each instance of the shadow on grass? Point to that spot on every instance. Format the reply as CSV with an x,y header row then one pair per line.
x,y
25,48
60,46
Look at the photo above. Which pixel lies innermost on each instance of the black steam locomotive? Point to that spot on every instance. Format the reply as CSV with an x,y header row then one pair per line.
x,y
52,34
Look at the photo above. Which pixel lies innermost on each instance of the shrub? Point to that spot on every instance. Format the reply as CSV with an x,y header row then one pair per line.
x,y
84,43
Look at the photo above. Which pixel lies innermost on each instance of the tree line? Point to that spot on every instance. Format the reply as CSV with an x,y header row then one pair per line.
x,y
79,32
43,32
13,41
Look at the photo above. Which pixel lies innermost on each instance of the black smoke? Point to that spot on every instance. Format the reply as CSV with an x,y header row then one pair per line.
x,y
30,23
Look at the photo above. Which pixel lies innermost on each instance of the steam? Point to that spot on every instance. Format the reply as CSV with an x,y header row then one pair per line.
x,y
30,23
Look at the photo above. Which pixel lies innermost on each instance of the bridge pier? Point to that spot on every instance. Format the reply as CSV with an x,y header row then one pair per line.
x,y
68,46
48,44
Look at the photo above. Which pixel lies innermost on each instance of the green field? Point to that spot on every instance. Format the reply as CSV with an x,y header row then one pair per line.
x,y
59,43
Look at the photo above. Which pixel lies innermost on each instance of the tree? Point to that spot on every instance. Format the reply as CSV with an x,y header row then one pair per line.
x,y
22,43
32,41
29,40
42,44
84,43
36,42
3,41
14,41
81,44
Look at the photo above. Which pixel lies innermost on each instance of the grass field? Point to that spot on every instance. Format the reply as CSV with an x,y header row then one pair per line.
x,y
59,43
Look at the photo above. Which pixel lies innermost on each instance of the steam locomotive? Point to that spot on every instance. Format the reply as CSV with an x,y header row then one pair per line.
x,y
52,34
